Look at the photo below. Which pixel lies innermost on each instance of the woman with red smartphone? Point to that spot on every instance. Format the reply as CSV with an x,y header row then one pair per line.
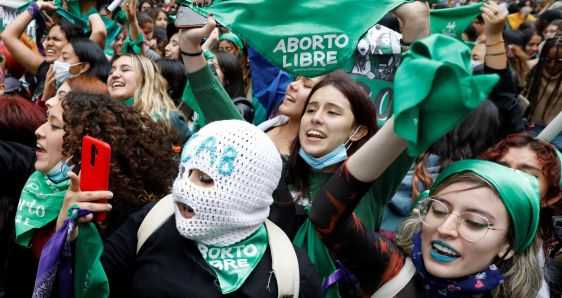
x,y
141,170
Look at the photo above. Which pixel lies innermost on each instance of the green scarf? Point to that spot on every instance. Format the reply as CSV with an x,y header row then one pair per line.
x,y
39,204
90,280
434,90
308,240
129,101
453,21
298,41
233,264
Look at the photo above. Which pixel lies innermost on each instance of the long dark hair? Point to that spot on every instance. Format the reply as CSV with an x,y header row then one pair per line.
x,y
363,111
474,135
89,51
535,93
232,70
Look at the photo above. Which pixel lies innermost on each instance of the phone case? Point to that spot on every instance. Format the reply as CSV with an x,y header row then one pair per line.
x,y
94,175
188,18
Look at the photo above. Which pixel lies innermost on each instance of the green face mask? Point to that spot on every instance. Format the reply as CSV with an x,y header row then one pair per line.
x,y
518,191
234,263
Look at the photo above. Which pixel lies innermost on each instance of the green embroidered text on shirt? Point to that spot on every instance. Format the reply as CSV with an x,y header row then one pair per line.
x,y
233,264
39,204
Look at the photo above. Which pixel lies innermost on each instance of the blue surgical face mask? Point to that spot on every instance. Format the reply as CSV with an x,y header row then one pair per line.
x,y
336,156
59,172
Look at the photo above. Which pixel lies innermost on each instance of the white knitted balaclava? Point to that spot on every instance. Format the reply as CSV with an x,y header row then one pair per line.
x,y
245,167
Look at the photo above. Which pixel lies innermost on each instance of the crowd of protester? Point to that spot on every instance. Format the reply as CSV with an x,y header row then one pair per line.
x,y
223,182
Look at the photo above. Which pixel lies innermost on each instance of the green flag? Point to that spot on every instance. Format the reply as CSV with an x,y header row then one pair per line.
x,y
435,90
373,66
304,37
453,21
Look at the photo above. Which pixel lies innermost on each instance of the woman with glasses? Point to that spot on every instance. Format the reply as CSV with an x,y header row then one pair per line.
x,y
474,233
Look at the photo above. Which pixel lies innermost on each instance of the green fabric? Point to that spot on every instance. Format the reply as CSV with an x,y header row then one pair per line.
x,y
233,38
434,90
129,101
74,15
374,67
90,280
260,113
369,211
206,96
518,191
233,264
453,21
39,204
133,46
209,55
293,38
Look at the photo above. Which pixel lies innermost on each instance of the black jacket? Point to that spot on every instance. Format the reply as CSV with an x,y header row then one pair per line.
x,y
169,265
16,165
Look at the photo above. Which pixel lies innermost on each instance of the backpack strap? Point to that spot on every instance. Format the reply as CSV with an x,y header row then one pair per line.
x,y
155,218
284,261
392,287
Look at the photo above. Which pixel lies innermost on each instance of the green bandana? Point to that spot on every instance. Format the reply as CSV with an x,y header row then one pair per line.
x,y
90,280
233,264
298,41
129,101
233,38
75,16
453,21
39,204
434,90
133,46
518,191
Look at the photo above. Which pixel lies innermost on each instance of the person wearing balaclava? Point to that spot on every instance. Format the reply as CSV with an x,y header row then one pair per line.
x,y
216,242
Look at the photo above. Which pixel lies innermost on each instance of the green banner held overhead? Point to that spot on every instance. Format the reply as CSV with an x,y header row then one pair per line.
x,y
373,66
453,21
304,37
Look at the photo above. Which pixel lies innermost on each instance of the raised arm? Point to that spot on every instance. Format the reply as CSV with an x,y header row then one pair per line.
x,y
11,37
99,34
213,101
494,22
134,30
373,259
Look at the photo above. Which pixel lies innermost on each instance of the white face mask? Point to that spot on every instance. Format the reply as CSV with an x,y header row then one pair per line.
x,y
474,64
62,71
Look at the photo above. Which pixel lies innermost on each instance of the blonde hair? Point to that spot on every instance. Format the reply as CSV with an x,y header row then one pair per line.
x,y
152,97
522,272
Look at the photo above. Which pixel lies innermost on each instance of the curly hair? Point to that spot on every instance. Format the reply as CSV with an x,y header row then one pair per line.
x,y
550,167
142,167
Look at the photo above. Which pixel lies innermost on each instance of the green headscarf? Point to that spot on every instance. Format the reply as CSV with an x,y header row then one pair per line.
x,y
233,38
434,90
518,191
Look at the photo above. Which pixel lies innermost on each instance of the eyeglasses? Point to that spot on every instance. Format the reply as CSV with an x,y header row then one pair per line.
x,y
471,226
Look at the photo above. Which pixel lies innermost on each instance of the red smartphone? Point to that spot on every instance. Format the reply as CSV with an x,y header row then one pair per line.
x,y
94,173
188,18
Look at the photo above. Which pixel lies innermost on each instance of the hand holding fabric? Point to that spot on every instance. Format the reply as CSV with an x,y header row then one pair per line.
x,y
84,200
46,6
494,21
202,3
